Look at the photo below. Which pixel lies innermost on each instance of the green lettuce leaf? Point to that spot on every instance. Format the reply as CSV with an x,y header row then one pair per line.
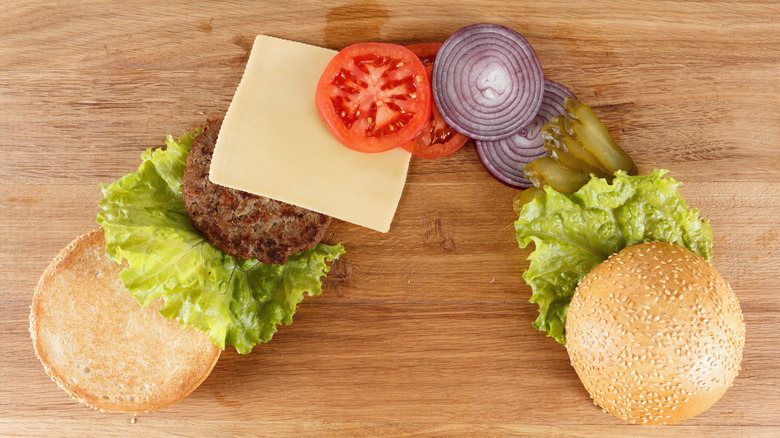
x,y
574,232
238,302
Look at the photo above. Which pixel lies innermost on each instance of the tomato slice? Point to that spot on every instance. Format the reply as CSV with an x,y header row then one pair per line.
x,y
436,139
374,96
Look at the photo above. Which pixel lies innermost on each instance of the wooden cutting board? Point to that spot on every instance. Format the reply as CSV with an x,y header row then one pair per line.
x,y
425,330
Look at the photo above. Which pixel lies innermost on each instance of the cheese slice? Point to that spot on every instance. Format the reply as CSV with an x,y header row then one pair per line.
x,y
274,143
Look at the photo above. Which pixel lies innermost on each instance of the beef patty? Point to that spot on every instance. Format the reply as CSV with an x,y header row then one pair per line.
x,y
239,223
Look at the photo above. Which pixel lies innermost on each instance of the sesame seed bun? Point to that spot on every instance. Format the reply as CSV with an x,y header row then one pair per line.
x,y
655,334
99,345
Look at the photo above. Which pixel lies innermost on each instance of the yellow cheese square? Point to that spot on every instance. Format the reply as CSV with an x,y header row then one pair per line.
x,y
274,143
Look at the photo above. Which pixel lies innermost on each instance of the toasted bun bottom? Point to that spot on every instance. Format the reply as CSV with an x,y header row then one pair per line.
x,y
99,345
655,334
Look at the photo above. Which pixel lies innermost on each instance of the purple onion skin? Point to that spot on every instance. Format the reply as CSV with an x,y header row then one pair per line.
x,y
487,81
505,158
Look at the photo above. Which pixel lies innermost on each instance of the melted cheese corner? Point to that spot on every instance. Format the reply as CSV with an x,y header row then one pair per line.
x,y
273,143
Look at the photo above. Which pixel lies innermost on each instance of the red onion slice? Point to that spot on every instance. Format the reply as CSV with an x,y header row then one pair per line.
x,y
506,158
487,81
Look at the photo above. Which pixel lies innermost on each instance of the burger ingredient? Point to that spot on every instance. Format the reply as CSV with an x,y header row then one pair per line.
x,y
580,143
374,96
582,124
273,142
241,224
655,334
436,139
238,302
575,232
487,82
506,158
524,197
548,171
559,141
101,347
565,158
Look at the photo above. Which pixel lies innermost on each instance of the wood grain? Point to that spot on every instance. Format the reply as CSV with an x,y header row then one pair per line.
x,y
425,330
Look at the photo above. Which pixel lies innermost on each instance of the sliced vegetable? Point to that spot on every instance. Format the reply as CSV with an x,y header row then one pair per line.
x,y
579,134
374,96
583,124
506,158
487,82
524,197
436,139
569,160
573,233
547,171
559,140
426,52
577,144
237,302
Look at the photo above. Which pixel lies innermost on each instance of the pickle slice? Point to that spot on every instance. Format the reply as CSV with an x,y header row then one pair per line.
x,y
549,171
555,126
552,134
578,145
579,151
550,147
573,162
565,144
596,139
524,197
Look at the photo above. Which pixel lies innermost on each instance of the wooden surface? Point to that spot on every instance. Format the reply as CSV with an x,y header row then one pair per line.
x,y
426,330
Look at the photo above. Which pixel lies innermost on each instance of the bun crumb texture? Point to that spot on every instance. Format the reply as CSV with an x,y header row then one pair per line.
x,y
655,334
99,345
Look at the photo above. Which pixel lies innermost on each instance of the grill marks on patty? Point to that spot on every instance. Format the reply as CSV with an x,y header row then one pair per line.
x,y
239,223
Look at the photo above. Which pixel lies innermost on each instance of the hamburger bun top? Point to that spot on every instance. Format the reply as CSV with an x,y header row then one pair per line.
x,y
99,345
655,334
